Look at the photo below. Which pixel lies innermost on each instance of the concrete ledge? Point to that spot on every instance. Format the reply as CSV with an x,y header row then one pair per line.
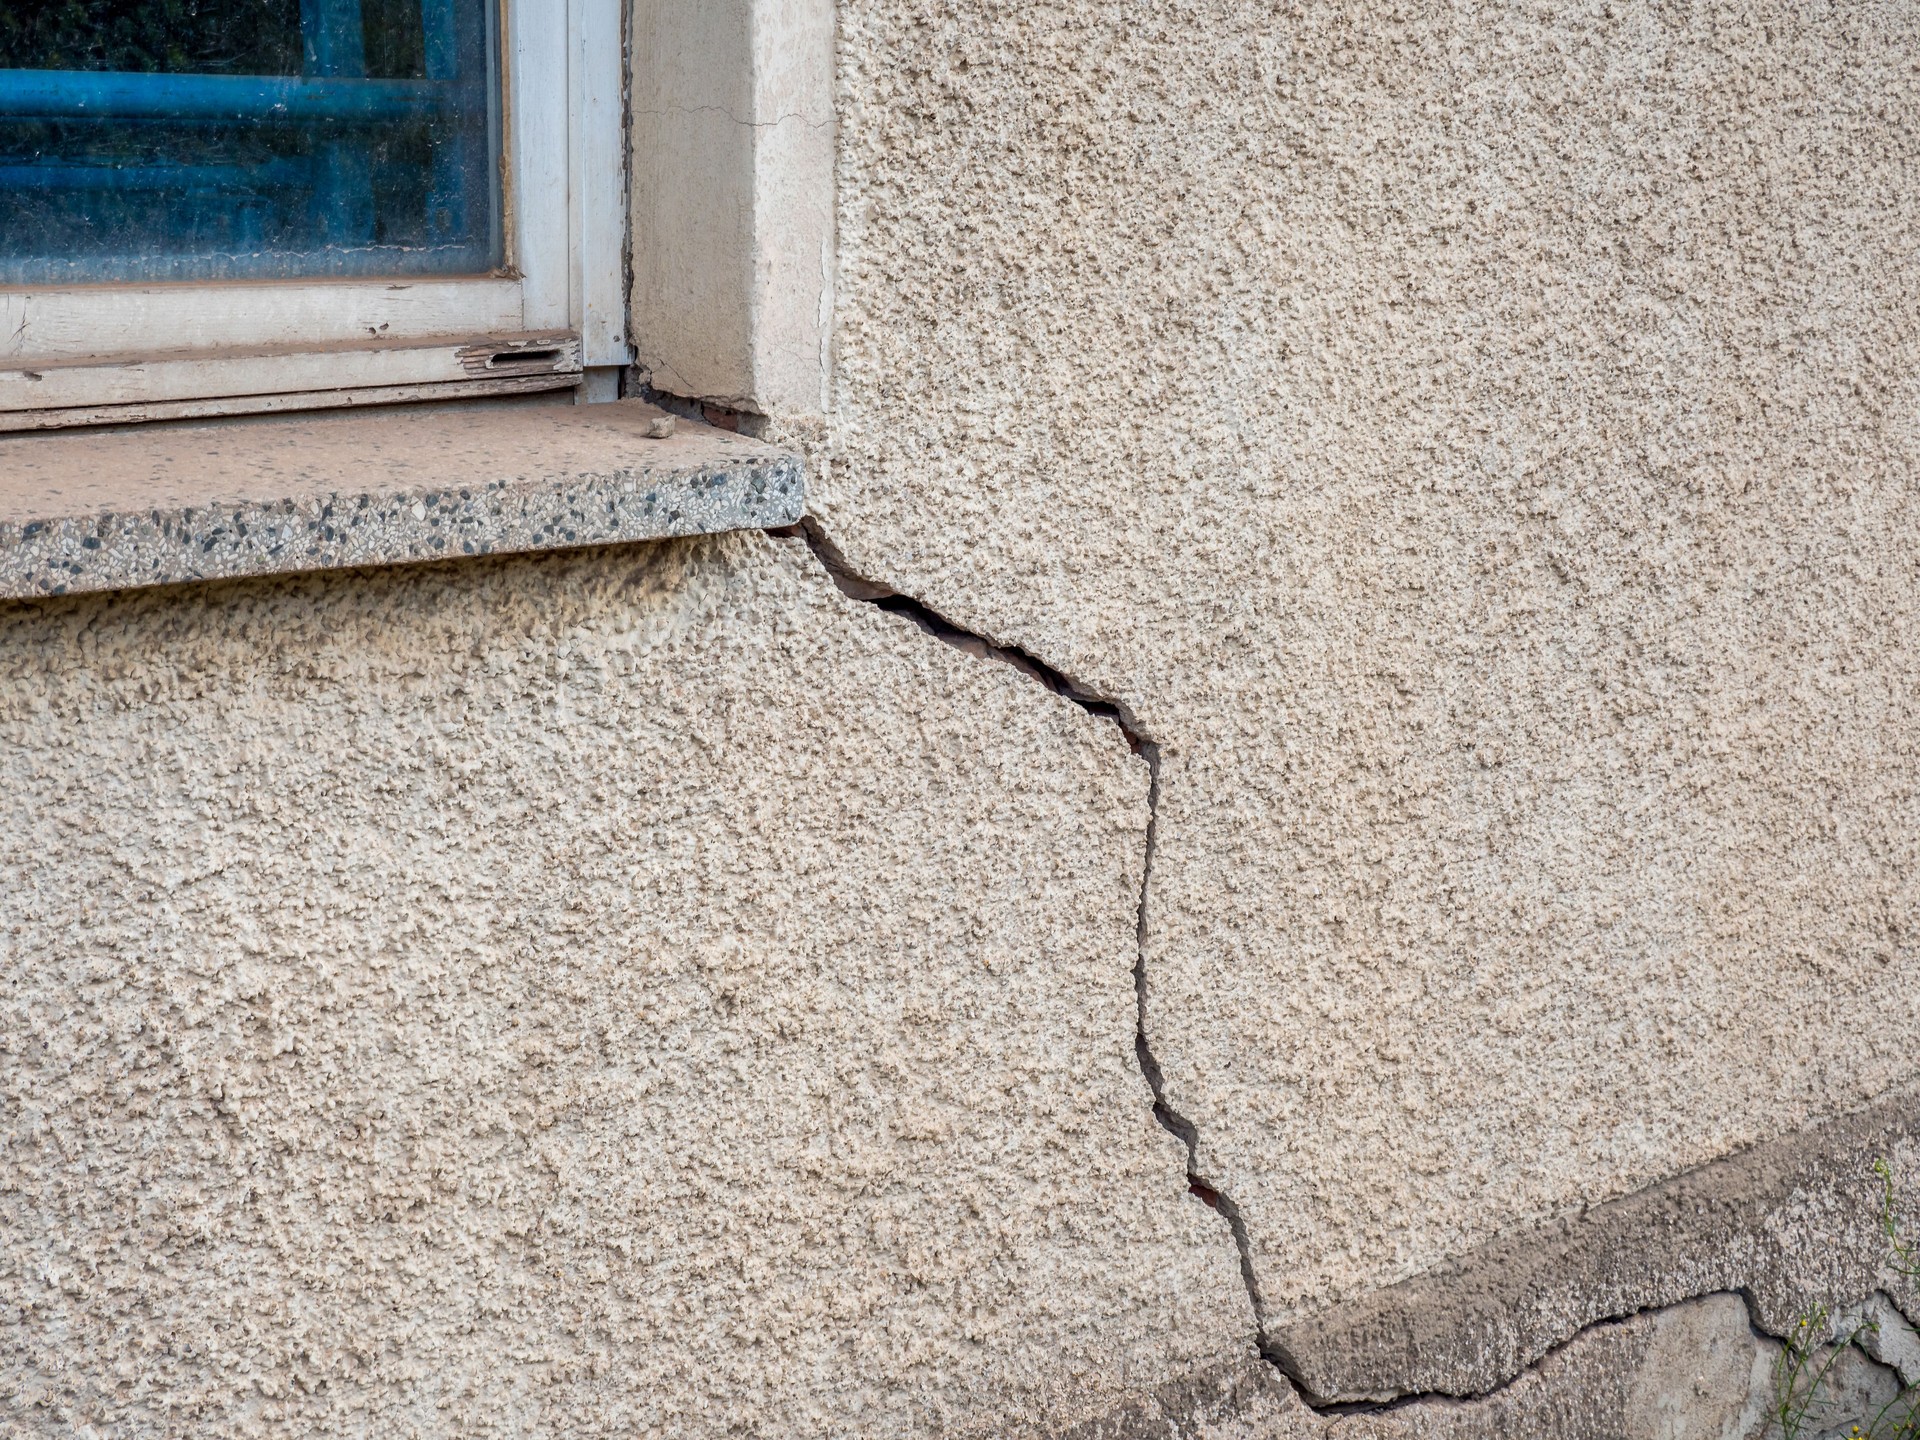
x,y
158,505
1247,1400
1787,1223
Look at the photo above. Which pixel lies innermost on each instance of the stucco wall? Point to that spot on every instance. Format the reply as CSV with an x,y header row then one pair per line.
x,y
647,991
1478,443
630,992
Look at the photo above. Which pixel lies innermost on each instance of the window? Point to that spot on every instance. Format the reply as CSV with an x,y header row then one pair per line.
x,y
229,206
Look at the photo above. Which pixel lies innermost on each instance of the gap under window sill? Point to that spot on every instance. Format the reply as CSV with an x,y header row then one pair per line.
x,y
167,504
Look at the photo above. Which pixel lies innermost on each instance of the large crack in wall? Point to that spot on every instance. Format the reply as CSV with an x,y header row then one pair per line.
x,y
1117,713
1434,1354
1178,1415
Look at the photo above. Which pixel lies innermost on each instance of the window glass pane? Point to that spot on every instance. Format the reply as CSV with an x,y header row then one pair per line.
x,y
247,139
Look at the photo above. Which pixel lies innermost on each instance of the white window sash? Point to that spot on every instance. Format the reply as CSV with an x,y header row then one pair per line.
x,y
74,354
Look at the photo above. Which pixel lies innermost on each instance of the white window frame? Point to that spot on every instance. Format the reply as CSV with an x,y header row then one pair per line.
x,y
554,318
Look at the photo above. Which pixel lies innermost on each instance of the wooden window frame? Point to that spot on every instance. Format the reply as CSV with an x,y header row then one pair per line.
x,y
553,318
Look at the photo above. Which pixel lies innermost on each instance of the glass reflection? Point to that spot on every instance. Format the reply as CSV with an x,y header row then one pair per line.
x,y
215,139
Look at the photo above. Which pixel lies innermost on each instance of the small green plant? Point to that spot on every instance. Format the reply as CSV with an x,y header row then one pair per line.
x,y
1800,1372
1903,1256
1809,1354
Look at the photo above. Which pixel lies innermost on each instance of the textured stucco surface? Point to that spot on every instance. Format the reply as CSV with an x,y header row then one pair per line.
x,y
622,992
1478,443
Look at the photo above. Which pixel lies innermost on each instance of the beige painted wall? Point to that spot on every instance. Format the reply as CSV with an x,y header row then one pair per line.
x,y
1479,443
637,992
645,991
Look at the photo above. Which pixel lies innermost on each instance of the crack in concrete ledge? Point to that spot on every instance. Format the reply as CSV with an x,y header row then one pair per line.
x,y
1336,1410
1340,1409
858,587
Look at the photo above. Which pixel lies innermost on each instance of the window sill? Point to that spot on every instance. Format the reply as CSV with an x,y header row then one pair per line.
x,y
161,505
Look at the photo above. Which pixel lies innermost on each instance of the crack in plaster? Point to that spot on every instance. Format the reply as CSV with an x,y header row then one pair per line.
x,y
868,591
1272,1353
779,119
1334,1410
859,587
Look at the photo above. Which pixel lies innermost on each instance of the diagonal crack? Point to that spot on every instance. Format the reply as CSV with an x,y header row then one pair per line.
x,y
1271,1351
872,592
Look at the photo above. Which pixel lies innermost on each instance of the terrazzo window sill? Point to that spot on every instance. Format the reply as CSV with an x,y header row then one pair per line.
x,y
161,505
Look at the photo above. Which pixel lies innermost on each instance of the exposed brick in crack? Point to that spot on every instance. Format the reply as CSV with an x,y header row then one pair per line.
x,y
1117,712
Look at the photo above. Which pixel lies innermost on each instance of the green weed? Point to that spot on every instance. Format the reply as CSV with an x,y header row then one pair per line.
x,y
1808,1355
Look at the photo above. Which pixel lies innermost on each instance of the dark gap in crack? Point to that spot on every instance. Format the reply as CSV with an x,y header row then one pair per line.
x,y
1171,1120
1752,1302
884,597
1336,1408
717,413
1904,1311
858,587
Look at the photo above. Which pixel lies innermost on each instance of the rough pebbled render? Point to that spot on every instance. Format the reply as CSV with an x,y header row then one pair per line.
x,y
622,992
1478,444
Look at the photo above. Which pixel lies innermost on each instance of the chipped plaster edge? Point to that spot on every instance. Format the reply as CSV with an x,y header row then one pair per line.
x,y
1787,1223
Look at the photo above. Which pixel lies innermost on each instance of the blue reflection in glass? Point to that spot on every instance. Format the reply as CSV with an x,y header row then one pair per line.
x,y
147,140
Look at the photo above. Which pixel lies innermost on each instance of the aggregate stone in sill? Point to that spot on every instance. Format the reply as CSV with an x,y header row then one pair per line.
x,y
158,505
